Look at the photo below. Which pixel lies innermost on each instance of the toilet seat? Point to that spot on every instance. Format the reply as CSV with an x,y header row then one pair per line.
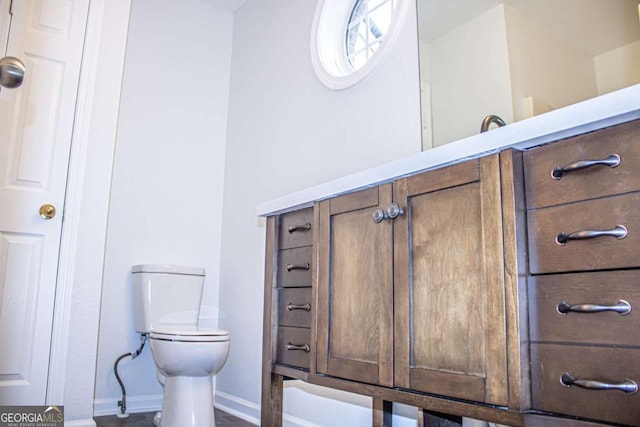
x,y
191,335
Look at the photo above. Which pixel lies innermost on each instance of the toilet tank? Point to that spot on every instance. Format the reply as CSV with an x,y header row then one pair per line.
x,y
166,296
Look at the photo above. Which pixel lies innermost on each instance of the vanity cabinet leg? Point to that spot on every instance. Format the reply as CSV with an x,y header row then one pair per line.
x,y
271,405
382,413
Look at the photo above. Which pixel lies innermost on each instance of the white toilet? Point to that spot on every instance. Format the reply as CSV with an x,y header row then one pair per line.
x,y
167,304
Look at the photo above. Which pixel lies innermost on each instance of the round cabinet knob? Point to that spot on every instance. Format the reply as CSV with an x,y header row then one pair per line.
x,y
47,211
378,215
394,211
11,72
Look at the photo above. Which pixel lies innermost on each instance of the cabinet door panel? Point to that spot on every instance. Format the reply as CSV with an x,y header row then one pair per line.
x,y
444,232
450,327
355,288
355,299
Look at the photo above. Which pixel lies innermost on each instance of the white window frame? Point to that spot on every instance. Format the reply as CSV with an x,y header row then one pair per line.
x,y
372,43
328,47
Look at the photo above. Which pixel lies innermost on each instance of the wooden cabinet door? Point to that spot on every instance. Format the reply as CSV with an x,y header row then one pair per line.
x,y
450,336
355,288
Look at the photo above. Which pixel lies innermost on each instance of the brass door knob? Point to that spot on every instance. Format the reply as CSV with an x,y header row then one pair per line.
x,y
47,211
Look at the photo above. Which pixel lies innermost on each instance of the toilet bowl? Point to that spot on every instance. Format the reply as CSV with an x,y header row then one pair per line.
x,y
188,360
167,303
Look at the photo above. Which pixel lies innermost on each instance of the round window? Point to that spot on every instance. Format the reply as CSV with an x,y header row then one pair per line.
x,y
349,39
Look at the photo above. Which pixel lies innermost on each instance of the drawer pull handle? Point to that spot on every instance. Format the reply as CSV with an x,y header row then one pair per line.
x,y
301,347
306,266
619,232
305,307
628,386
612,161
302,227
622,308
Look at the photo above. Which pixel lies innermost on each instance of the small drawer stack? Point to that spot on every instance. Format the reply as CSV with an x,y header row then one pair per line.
x,y
583,215
293,284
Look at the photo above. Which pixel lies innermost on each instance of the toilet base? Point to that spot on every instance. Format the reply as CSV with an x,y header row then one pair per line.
x,y
187,402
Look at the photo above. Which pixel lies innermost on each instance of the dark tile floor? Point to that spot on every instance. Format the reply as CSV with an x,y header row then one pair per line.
x,y
145,419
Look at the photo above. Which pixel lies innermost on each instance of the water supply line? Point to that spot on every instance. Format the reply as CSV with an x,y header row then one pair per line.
x,y
123,403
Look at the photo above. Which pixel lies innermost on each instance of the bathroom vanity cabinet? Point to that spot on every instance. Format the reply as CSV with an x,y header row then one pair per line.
x,y
501,288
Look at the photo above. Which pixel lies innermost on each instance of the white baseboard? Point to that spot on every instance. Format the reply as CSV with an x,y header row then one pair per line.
x,y
237,407
80,423
233,405
250,411
135,404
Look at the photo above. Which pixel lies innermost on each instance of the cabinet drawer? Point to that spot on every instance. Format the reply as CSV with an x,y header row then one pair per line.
x,y
293,346
607,289
602,364
605,252
294,267
542,189
294,307
296,229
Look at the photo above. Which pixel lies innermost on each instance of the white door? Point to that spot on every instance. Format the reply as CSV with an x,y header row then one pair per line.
x,y
36,123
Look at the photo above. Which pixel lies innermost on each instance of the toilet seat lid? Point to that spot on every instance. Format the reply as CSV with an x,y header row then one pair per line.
x,y
191,335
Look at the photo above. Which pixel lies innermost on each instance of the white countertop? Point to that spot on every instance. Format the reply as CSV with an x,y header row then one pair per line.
x,y
606,110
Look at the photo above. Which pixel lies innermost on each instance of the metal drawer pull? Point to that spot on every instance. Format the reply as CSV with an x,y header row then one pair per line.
x,y
628,386
303,227
619,232
302,347
306,266
305,307
622,308
612,161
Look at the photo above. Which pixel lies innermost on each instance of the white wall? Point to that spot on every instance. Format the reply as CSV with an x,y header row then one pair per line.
x,y
166,198
286,132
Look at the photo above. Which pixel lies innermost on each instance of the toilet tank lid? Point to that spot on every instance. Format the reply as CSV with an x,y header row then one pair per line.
x,y
167,268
